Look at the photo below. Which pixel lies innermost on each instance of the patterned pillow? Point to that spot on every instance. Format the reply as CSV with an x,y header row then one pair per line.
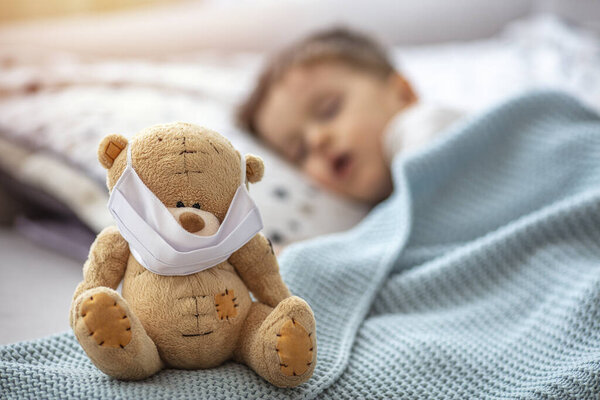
x,y
59,109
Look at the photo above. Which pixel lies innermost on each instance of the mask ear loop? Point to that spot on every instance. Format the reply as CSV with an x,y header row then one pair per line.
x,y
129,157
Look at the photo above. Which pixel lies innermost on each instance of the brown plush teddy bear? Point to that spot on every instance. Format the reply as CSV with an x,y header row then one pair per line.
x,y
189,321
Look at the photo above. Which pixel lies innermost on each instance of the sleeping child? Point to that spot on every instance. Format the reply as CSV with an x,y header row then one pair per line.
x,y
334,105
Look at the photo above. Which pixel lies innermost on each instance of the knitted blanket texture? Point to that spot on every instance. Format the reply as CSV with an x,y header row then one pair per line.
x,y
478,278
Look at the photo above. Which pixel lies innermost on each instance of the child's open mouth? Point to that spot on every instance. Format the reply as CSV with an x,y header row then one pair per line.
x,y
342,165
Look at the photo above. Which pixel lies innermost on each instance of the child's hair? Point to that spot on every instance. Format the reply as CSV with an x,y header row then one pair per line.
x,y
338,44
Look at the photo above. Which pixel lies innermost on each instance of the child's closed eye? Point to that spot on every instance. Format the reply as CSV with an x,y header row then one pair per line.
x,y
328,107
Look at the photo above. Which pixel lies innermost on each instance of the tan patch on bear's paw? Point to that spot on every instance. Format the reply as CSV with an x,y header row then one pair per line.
x,y
107,322
226,305
294,348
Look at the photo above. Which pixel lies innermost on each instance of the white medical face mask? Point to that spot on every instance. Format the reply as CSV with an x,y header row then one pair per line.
x,y
161,244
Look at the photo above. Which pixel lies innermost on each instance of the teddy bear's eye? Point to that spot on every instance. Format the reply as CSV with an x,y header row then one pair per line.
x,y
180,204
196,205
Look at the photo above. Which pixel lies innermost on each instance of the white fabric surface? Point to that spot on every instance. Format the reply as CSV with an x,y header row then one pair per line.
x,y
415,127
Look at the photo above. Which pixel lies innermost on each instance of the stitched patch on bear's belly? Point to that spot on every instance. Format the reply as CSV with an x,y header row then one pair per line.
x,y
226,305
106,320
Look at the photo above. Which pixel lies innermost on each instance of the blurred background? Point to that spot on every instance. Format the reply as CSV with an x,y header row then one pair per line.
x,y
72,71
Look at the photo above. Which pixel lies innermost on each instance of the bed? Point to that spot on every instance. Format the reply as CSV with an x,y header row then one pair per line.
x,y
477,278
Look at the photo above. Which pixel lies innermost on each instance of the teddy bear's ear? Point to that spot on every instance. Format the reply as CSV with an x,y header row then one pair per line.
x,y
110,147
255,168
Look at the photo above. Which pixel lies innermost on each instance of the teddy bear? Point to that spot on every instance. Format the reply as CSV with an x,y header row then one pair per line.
x,y
198,320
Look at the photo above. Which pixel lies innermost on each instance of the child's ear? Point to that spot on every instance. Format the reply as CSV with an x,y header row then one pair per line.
x,y
255,168
110,147
403,89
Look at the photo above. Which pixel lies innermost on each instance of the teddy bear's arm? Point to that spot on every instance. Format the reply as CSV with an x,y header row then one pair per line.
x,y
106,262
256,263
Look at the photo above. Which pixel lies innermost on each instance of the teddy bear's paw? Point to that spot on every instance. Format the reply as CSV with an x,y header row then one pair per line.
x,y
293,350
107,322
112,335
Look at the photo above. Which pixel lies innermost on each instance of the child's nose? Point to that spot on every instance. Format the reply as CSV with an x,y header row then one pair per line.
x,y
318,138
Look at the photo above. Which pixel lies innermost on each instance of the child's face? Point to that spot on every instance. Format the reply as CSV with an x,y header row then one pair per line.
x,y
328,119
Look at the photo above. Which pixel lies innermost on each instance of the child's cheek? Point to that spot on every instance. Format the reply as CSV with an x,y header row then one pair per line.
x,y
317,171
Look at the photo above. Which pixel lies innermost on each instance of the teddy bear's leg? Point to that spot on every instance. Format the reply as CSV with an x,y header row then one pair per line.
x,y
280,343
112,336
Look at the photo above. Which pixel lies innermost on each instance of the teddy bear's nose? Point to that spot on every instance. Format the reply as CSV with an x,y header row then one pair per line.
x,y
191,222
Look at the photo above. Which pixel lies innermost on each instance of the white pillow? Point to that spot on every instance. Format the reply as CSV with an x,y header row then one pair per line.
x,y
539,52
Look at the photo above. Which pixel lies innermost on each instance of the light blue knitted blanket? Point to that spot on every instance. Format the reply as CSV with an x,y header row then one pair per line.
x,y
478,278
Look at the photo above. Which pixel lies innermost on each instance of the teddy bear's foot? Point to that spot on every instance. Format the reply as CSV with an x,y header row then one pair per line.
x,y
112,336
281,345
